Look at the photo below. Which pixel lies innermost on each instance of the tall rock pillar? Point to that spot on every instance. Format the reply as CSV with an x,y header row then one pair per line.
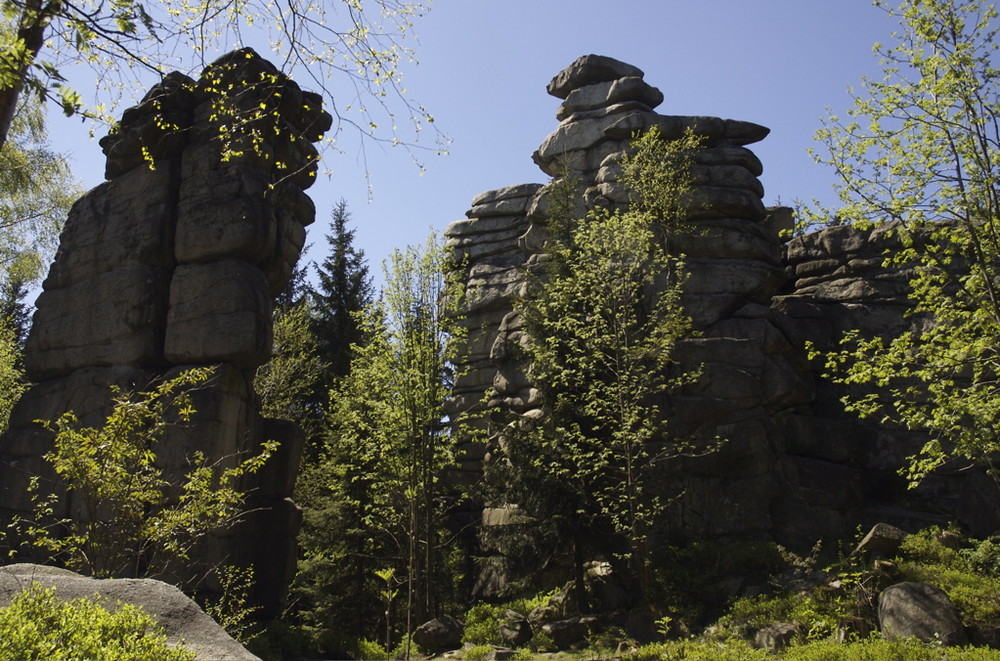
x,y
173,263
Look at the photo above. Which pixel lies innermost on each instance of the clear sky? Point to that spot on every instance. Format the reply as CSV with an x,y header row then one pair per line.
x,y
483,67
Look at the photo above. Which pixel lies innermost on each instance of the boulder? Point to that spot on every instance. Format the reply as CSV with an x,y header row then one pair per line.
x,y
587,70
515,629
182,619
919,610
567,633
439,635
882,540
777,637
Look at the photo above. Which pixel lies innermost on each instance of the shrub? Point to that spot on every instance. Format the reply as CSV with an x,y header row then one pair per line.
x,y
482,621
37,625
968,575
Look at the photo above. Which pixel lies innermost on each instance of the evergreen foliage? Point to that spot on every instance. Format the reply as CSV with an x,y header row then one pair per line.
x,y
921,147
12,380
290,382
374,503
343,291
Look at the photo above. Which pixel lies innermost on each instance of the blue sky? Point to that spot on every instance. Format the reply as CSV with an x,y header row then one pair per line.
x,y
483,67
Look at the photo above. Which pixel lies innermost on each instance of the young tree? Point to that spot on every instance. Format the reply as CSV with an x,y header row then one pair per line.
x,y
388,444
12,381
344,290
604,318
290,382
358,41
921,148
129,519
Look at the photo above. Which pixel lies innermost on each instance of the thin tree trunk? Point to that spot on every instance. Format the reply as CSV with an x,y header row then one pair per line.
x,y
31,31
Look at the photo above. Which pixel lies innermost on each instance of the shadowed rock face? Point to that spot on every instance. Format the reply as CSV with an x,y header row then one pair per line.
x,y
172,263
795,467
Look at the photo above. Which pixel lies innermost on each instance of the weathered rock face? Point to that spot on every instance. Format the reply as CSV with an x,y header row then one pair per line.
x,y
794,468
172,263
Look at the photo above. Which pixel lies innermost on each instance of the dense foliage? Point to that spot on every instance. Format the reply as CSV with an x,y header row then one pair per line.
x,y
38,625
132,521
604,317
921,149
374,535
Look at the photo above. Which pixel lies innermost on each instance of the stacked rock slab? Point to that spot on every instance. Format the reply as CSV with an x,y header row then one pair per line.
x,y
172,263
794,467
734,260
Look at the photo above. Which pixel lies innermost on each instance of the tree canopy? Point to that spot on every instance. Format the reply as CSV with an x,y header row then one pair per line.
x,y
921,148
357,42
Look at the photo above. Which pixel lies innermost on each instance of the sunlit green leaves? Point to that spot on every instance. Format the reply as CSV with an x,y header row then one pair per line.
x,y
39,625
925,151
132,520
604,317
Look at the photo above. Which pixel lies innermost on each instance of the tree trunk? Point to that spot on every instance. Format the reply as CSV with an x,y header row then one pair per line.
x,y
31,31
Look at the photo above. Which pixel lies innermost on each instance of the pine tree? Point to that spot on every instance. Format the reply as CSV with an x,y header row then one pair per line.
x,y
344,289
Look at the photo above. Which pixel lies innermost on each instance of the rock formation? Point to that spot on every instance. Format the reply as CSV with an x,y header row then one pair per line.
x,y
794,468
172,263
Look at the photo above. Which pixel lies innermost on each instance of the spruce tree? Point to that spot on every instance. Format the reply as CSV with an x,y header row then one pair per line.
x,y
344,289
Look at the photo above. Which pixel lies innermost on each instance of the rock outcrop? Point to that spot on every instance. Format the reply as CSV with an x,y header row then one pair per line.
x,y
183,622
794,468
172,263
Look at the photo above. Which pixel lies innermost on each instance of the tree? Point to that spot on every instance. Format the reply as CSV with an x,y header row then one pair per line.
x,y
12,381
344,290
130,520
356,40
36,192
290,383
379,485
921,149
604,318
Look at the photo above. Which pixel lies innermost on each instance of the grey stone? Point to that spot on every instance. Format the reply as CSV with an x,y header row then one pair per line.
x,y
609,93
219,311
883,540
515,629
573,631
117,309
919,610
438,635
587,70
777,637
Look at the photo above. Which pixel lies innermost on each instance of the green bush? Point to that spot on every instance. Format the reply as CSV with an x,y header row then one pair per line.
x,y
37,625
871,649
969,576
877,649
482,621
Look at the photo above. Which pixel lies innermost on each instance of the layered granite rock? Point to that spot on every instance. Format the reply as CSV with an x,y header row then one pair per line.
x,y
172,263
794,468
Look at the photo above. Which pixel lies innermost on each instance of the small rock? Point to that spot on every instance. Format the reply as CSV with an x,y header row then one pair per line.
x,y
515,629
567,633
